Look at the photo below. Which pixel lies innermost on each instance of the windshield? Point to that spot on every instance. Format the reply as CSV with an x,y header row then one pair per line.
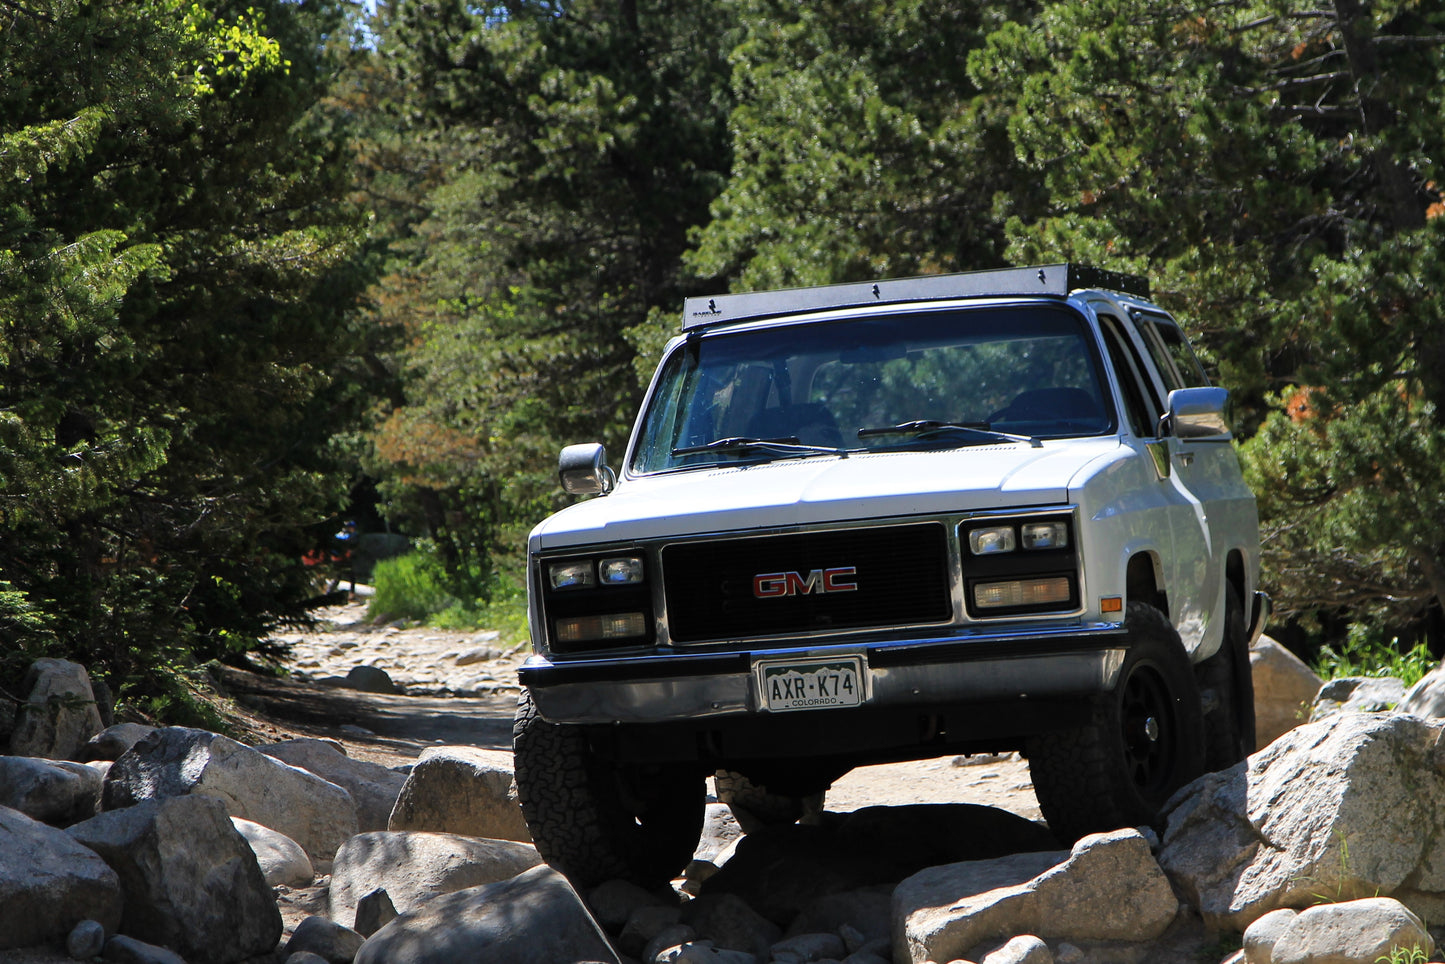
x,y
914,380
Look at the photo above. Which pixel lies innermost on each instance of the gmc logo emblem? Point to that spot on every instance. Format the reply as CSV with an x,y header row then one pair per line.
x,y
771,585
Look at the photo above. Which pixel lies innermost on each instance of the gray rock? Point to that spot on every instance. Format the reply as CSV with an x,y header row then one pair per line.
x,y
1261,936
1109,887
413,867
720,831
1339,809
370,679
1427,697
374,911
704,952
1025,949
51,791
614,902
49,883
373,788
282,861
729,923
122,949
59,713
867,913
1284,688
1357,694
86,940
667,943
191,882
644,924
114,740
461,789
305,957
176,761
326,939
533,918
1355,932
810,947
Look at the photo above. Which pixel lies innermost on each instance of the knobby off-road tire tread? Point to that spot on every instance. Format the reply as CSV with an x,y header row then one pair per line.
x,y
1080,775
755,807
578,820
1229,728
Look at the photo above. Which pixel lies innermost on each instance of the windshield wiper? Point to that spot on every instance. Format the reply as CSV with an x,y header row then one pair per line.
x,y
738,443
933,426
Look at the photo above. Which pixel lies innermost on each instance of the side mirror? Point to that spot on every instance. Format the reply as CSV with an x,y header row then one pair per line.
x,y
583,469
1197,414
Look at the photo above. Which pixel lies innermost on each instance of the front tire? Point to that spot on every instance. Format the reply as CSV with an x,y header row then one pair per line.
x,y
1143,740
595,820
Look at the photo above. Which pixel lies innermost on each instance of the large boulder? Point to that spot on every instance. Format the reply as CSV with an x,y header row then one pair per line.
x,y
413,867
1356,932
373,788
49,883
533,918
59,713
1284,688
1357,694
1108,888
114,740
282,861
191,882
52,791
1344,808
461,789
177,761
1427,697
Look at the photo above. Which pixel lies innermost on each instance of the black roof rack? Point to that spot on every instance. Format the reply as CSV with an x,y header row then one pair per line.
x,y
1050,279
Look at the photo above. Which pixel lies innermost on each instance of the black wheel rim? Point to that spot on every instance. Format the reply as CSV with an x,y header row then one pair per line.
x,y
1148,728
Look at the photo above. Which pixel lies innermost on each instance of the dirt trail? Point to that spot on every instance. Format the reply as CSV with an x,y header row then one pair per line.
x,y
427,664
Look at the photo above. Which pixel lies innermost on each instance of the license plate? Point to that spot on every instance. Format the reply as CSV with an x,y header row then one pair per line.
x,y
810,684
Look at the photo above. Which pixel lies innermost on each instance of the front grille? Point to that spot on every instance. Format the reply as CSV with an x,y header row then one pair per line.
x,y
900,574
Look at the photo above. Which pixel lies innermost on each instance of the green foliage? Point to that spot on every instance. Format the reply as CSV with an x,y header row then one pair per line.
x,y
411,587
176,269
416,587
1414,954
1267,165
1365,653
577,149
862,149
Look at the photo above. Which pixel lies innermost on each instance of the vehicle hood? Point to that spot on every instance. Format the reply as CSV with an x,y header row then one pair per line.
x,y
823,489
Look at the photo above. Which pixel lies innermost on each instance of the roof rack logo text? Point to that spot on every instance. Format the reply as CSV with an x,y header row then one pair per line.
x,y
774,585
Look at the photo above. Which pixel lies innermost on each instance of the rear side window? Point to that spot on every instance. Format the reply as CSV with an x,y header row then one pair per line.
x,y
1171,352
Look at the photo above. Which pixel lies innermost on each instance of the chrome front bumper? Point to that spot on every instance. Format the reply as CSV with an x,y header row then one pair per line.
x,y
1079,662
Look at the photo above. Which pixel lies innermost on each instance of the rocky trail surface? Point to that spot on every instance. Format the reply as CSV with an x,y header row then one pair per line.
x,y
367,814
461,688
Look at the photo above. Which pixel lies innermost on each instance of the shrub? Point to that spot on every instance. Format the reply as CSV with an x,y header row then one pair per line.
x,y
1363,653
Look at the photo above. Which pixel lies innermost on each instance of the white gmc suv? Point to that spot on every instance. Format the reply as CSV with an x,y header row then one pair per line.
x,y
979,512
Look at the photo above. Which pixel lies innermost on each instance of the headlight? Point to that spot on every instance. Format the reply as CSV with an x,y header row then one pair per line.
x,y
620,571
1048,591
572,575
984,542
1045,535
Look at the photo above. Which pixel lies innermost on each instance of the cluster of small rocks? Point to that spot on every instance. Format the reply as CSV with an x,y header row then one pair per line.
x,y
126,843
393,657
